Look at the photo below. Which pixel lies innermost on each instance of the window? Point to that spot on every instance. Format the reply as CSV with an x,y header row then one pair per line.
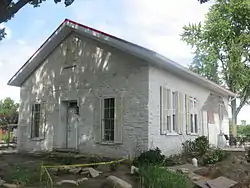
x,y
109,119
191,114
36,120
168,110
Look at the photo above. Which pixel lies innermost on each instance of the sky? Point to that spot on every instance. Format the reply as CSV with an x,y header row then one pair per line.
x,y
154,24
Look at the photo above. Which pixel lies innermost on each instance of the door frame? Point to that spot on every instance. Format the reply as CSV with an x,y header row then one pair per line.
x,y
63,120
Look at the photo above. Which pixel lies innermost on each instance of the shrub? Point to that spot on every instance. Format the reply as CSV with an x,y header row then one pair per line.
x,y
196,148
158,177
173,160
201,145
152,156
189,148
214,156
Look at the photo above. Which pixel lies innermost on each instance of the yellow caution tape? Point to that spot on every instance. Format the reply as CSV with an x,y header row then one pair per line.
x,y
83,165
44,168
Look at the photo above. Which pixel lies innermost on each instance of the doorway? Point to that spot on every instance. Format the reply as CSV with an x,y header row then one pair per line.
x,y
69,116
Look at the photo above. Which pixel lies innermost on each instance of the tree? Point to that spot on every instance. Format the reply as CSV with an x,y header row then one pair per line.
x,y
221,48
8,8
8,112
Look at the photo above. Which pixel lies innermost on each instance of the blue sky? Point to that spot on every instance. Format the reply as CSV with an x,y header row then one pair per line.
x,y
155,24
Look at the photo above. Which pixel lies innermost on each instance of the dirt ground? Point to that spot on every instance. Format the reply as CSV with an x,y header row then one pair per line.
x,y
15,168
235,167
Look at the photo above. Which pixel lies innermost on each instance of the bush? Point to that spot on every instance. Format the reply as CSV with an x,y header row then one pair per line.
x,y
158,177
214,156
152,156
201,145
196,148
173,160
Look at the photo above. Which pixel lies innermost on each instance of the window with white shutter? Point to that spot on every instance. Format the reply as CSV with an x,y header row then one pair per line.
x,y
191,108
168,111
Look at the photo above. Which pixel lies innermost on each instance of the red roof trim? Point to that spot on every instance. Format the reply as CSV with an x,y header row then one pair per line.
x,y
92,29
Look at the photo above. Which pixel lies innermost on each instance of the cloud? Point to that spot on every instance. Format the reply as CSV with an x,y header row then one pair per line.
x,y
13,55
153,24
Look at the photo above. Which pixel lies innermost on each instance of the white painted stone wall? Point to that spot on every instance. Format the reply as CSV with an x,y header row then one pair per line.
x,y
170,144
100,70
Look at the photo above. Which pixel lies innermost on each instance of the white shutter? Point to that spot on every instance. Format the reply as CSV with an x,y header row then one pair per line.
x,y
168,109
180,113
187,108
165,110
162,117
98,119
118,137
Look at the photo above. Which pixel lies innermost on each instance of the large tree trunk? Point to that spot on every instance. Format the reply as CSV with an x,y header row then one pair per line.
x,y
234,117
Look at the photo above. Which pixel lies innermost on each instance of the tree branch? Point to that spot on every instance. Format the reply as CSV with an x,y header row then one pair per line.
x,y
11,10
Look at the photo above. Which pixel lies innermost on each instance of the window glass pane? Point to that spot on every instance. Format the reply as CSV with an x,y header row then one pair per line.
x,y
106,124
112,135
196,123
174,123
112,113
168,99
191,123
112,103
106,103
106,113
174,100
168,123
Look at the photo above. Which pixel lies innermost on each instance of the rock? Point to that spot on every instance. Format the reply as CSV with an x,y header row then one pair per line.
x,y
196,178
1,182
67,182
8,185
113,181
94,173
81,180
84,172
75,170
134,170
183,170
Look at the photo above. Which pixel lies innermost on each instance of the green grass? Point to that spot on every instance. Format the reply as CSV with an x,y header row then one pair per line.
x,y
20,174
157,177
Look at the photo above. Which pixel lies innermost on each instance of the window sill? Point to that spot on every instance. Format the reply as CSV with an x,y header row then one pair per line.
x,y
172,134
193,134
37,139
109,143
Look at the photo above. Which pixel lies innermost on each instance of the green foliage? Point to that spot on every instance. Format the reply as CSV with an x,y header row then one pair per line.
x,y
8,8
158,177
196,148
8,111
214,155
152,156
243,130
24,175
221,47
173,160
